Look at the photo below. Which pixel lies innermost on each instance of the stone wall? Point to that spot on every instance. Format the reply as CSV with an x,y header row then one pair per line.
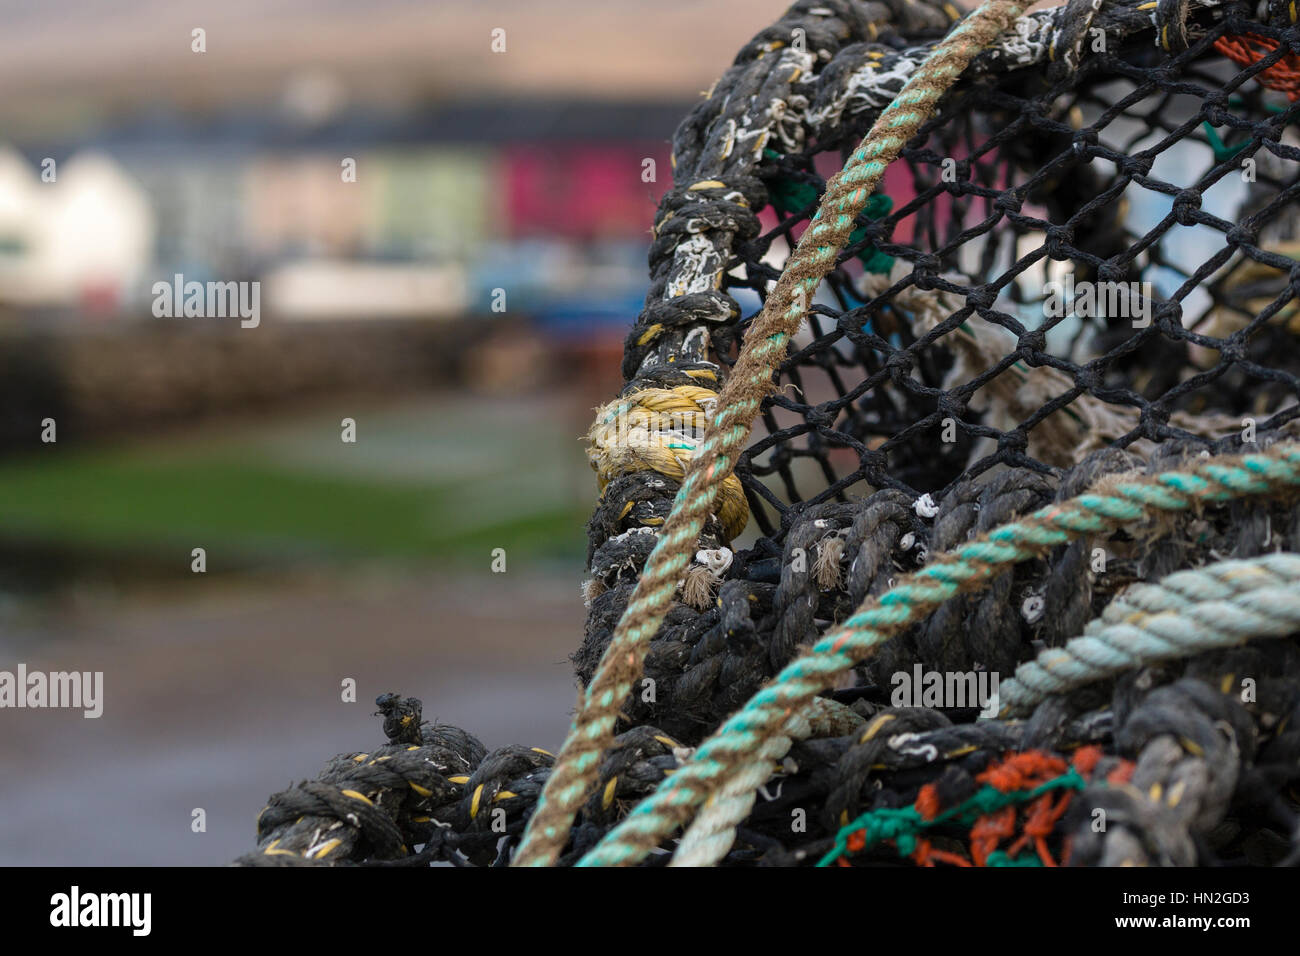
x,y
98,381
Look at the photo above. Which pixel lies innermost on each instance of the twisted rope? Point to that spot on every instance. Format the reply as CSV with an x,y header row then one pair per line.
x,y
738,403
1219,606
705,845
751,737
654,429
711,836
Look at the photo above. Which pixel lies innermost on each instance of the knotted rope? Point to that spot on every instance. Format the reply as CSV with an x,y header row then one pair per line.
x,y
657,429
1204,609
729,428
734,761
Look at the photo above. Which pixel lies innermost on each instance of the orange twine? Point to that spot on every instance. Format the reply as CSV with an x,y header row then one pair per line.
x,y
1245,50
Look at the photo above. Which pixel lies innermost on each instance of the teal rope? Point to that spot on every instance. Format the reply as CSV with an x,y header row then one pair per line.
x,y
1118,502
791,196
1219,606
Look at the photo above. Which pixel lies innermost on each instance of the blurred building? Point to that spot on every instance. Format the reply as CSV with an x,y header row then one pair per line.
x,y
80,238
426,211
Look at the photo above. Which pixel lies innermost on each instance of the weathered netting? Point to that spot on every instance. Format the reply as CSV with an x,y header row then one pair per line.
x,y
935,394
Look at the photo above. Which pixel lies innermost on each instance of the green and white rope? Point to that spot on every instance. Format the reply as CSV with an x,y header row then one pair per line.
x,y
705,843
711,835
758,732
1218,606
751,379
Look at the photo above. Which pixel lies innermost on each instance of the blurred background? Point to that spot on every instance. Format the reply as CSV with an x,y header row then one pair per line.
x,y
129,158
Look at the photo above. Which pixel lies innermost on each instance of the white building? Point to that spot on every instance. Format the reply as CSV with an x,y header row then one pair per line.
x,y
84,238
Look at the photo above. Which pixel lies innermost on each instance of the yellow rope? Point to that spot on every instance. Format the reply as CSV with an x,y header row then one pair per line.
x,y
659,429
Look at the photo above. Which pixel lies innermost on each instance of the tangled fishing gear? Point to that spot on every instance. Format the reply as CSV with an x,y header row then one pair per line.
x,y
1012,394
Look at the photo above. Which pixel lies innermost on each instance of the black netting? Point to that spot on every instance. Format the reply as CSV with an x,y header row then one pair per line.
x,y
1134,171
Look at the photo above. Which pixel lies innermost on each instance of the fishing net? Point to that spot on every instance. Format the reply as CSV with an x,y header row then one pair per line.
x,y
1082,269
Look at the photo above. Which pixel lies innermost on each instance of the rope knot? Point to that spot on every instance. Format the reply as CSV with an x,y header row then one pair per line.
x,y
661,429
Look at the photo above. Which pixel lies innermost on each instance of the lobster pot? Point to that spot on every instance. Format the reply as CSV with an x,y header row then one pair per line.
x,y
1084,263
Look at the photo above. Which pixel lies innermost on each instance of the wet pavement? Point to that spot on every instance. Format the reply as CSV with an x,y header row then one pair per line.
x,y
216,700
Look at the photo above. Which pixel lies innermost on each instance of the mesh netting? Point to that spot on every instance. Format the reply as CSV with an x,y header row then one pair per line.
x,y
1019,193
